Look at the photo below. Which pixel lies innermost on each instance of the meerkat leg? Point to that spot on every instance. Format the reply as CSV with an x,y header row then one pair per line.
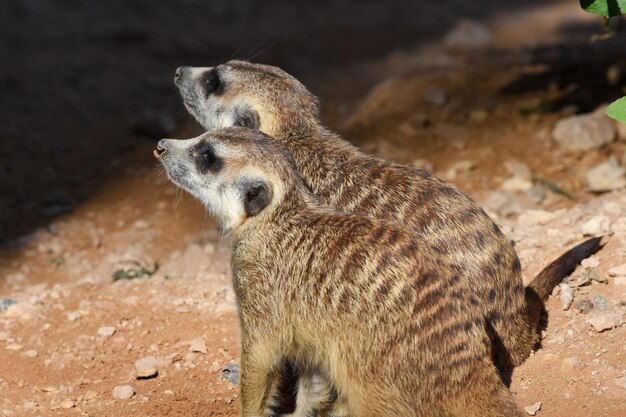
x,y
257,374
483,396
315,394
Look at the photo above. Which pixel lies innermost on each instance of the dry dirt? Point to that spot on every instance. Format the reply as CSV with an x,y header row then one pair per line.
x,y
54,362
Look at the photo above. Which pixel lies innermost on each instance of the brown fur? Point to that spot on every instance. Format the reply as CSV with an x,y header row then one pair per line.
x,y
378,311
343,177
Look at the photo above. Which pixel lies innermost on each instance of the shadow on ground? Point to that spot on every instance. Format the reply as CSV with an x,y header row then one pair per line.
x,y
85,82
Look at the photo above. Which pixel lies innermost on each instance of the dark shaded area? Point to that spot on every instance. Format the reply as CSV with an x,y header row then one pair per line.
x,y
578,70
82,82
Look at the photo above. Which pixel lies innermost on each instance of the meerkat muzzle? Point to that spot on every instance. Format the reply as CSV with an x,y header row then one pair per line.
x,y
158,153
160,150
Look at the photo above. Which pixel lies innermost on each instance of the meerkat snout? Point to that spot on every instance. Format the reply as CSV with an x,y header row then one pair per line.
x,y
180,71
160,149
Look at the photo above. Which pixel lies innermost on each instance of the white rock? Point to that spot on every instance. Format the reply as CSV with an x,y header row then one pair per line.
x,y
14,346
67,404
31,353
584,132
123,392
607,176
619,280
536,195
573,363
106,331
596,226
566,295
531,410
590,262
605,321
503,203
534,216
516,184
518,169
90,395
147,367
74,315
619,270
468,34
198,345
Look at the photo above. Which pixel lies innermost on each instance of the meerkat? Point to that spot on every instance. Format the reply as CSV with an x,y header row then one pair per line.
x,y
267,98
371,307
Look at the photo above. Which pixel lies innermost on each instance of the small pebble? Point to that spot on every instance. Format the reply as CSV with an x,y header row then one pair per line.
x,y
584,132
604,321
518,169
596,226
583,306
618,271
67,404
90,395
146,367
123,392
230,373
31,353
607,176
5,303
566,295
106,331
590,262
600,303
516,184
198,345
14,346
531,410
74,315
573,362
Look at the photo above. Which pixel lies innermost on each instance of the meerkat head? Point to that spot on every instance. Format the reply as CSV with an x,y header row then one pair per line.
x,y
236,173
239,93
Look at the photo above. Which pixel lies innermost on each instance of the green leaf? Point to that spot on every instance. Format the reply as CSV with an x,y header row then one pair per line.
x,y
552,186
606,8
617,110
135,273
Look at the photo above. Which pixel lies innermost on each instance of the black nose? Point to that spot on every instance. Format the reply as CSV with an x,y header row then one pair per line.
x,y
161,144
179,74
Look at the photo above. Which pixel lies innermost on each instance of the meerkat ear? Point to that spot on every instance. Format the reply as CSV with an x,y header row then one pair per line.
x,y
256,196
247,118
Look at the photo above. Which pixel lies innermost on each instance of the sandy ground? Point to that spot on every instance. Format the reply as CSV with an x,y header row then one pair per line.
x,y
75,333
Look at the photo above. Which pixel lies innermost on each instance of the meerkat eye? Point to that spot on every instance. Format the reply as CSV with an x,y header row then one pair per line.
x,y
211,82
206,159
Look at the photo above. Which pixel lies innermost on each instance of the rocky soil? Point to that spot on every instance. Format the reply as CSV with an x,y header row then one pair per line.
x,y
124,305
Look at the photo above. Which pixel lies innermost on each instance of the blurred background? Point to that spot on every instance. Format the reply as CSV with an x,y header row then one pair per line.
x,y
503,98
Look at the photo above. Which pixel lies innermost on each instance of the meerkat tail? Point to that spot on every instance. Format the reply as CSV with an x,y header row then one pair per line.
x,y
553,274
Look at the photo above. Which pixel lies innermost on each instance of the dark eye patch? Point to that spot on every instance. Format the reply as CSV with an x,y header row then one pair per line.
x,y
211,83
205,158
